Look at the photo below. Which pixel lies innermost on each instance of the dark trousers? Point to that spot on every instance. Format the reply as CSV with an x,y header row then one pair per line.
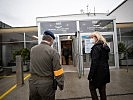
x,y
37,97
41,90
102,91
67,60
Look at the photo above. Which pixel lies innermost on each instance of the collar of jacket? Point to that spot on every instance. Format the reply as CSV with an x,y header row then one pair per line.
x,y
45,42
98,43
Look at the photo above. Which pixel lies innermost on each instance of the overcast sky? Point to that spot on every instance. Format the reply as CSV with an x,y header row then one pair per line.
x,y
19,13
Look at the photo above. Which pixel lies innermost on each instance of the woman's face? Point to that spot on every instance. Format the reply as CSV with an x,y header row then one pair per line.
x,y
95,39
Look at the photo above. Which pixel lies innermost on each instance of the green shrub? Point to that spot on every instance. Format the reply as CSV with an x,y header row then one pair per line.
x,y
24,52
121,47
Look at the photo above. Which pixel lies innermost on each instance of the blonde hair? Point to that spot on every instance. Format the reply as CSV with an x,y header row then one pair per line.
x,y
98,36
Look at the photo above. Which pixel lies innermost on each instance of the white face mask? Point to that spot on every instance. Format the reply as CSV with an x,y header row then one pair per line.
x,y
92,40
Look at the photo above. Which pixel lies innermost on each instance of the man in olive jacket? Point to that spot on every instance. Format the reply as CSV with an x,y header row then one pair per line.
x,y
45,67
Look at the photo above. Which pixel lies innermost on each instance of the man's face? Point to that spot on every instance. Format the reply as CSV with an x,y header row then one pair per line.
x,y
52,41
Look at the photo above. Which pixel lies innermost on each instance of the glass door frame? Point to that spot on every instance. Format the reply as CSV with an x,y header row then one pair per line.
x,y
78,58
59,43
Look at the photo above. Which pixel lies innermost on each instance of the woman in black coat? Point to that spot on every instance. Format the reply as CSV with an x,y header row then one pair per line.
x,y
99,73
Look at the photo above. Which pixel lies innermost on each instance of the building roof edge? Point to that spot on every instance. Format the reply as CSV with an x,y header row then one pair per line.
x,y
117,7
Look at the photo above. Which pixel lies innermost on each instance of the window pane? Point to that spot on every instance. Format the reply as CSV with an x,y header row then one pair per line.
x,y
96,25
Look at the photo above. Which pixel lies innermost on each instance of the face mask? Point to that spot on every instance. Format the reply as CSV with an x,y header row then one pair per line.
x,y
92,41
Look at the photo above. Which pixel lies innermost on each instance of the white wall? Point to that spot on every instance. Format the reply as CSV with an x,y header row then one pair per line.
x,y
124,13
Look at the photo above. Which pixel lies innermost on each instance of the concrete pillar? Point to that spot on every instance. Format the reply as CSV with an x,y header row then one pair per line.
x,y
0,51
4,55
19,71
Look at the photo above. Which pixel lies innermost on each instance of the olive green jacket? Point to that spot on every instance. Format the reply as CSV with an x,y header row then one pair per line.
x,y
45,62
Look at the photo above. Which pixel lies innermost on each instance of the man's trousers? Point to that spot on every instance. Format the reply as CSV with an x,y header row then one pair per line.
x,y
41,89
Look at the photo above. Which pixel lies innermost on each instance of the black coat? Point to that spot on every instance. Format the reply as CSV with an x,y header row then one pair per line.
x,y
99,71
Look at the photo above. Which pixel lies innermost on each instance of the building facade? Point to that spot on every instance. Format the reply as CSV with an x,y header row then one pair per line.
x,y
78,27
124,19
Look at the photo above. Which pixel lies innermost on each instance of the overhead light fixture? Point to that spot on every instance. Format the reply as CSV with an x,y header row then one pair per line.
x,y
68,37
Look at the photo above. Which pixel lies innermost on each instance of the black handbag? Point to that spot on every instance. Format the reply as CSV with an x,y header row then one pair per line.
x,y
55,84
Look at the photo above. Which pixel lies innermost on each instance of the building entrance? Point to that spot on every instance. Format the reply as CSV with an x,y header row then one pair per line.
x,y
64,45
66,52
78,27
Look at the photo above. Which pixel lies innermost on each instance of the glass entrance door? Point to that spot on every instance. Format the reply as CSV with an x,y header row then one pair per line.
x,y
109,39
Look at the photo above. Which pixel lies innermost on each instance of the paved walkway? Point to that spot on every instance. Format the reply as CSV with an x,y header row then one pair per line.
x,y
120,88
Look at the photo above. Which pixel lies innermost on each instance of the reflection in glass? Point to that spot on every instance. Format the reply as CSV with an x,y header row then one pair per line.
x,y
125,36
12,42
86,56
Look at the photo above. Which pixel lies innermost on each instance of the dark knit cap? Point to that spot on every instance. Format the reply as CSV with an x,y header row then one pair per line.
x,y
49,33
